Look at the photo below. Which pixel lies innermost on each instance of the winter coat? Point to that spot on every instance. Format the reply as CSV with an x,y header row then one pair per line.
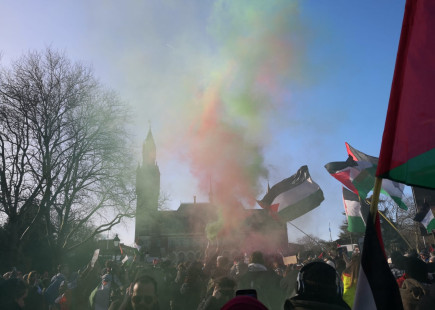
x,y
52,291
349,289
266,283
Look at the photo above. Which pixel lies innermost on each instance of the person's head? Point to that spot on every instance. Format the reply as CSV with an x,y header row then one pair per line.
x,y
63,269
144,296
32,277
319,279
257,258
222,262
224,286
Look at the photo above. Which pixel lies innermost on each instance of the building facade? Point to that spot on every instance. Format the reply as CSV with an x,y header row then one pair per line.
x,y
182,234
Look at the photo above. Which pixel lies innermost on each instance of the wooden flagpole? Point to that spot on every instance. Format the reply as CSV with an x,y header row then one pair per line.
x,y
394,227
374,206
375,198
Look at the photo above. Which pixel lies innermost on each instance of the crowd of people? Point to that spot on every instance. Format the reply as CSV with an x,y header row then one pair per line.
x,y
321,282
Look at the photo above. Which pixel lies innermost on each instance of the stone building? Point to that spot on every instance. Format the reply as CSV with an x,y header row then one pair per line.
x,y
181,234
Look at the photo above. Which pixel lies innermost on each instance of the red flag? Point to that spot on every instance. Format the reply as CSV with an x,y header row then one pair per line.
x,y
408,144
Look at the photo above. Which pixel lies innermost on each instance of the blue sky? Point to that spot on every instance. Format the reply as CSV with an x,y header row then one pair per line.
x,y
155,53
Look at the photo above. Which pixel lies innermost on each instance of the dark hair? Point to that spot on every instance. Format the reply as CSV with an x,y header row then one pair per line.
x,y
318,278
146,279
257,258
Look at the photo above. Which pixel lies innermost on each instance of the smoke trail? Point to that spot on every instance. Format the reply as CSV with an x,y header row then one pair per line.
x,y
256,60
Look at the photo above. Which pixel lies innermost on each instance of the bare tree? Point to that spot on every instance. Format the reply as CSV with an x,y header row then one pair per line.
x,y
64,151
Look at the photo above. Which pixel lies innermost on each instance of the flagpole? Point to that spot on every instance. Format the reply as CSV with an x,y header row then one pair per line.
x,y
392,225
307,235
374,206
375,198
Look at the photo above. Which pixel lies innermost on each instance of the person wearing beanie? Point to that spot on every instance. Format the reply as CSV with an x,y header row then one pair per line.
x,y
318,287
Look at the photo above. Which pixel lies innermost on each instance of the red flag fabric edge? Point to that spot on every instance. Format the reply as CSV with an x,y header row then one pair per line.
x,y
409,126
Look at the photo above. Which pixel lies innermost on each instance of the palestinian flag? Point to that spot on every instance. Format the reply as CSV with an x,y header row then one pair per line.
x,y
425,202
294,196
353,175
376,288
390,188
354,213
408,144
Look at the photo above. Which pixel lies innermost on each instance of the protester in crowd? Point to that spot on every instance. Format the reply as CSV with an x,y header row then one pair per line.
x,y
397,265
239,267
277,267
65,298
52,291
192,290
350,278
223,291
181,273
340,264
144,295
100,296
34,300
222,269
288,282
265,282
318,287
416,285
13,293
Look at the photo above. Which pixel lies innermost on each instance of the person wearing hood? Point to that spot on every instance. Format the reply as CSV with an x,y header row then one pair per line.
x,y
100,297
52,291
318,287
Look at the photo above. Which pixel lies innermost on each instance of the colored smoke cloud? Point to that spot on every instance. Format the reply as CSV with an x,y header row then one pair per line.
x,y
256,59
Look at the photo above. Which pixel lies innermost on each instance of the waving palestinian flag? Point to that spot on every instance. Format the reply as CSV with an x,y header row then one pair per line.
x,y
294,196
